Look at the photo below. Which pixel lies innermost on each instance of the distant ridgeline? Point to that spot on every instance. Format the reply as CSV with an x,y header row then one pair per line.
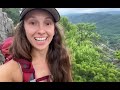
x,y
108,25
6,28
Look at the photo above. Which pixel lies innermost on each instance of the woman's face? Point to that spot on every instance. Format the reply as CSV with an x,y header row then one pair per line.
x,y
39,27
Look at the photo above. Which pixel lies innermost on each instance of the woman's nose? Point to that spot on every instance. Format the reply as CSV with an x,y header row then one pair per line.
x,y
41,29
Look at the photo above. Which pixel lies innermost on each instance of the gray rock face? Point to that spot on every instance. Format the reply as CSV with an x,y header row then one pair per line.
x,y
6,28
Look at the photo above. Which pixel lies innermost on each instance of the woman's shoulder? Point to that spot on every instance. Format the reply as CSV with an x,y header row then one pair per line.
x,y
10,72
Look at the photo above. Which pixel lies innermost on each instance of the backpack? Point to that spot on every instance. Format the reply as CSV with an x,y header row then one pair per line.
x,y
27,69
26,66
4,47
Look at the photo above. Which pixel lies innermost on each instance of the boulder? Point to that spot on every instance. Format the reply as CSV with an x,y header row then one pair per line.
x,y
6,28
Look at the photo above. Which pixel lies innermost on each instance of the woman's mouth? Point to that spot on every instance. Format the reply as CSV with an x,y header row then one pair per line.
x,y
40,39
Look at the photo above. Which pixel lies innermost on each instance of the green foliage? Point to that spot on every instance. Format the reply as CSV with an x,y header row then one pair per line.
x,y
12,13
117,54
108,26
85,31
87,63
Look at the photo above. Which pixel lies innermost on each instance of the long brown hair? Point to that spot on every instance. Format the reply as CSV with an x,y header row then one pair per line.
x,y
57,56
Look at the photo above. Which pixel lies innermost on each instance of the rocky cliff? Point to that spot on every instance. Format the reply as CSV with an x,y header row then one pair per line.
x,y
6,28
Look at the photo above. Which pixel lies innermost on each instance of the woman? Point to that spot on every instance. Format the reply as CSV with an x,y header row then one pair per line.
x,y
37,39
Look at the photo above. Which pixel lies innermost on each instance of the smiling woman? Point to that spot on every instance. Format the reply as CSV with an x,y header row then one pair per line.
x,y
39,29
38,54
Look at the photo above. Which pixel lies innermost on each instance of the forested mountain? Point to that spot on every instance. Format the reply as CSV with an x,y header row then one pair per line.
x,y
107,23
91,60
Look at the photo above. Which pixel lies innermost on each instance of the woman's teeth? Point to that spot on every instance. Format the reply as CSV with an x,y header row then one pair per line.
x,y
40,39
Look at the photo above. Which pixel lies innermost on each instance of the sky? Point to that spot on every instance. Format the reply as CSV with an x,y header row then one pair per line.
x,y
63,11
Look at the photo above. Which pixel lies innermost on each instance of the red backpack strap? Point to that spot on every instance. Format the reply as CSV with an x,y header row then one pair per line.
x,y
44,78
27,69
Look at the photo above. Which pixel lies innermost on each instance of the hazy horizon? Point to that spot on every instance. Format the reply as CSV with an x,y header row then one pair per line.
x,y
64,11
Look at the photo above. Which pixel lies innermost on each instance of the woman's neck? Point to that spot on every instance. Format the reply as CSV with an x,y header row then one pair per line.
x,y
38,55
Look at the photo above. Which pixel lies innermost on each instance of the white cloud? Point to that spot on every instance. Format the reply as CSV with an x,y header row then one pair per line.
x,y
84,10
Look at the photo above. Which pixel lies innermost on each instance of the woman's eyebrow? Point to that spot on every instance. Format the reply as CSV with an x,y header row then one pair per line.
x,y
31,17
49,18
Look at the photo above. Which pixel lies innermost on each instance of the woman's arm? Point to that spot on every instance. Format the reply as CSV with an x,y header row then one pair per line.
x,y
10,72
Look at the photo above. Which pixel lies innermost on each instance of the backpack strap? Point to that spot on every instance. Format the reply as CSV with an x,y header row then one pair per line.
x,y
47,78
27,69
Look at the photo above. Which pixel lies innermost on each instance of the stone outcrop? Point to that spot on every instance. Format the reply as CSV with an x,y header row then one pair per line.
x,y
6,28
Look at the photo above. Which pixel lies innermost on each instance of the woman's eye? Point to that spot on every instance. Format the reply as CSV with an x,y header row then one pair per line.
x,y
33,23
47,23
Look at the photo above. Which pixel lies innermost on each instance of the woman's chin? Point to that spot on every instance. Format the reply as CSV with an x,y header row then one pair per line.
x,y
41,48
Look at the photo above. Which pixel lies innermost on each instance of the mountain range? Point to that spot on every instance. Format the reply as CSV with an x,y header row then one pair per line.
x,y
107,23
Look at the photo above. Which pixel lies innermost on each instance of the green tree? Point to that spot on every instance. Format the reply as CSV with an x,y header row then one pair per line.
x,y
13,13
87,64
117,54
